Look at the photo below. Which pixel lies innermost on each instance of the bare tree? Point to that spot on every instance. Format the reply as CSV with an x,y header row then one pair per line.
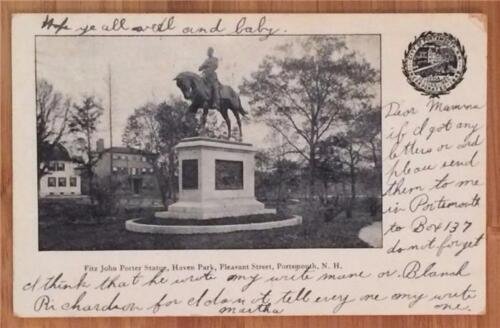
x,y
83,123
52,111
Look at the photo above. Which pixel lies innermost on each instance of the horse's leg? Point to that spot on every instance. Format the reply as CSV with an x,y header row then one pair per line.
x,y
204,120
223,111
238,120
191,116
193,108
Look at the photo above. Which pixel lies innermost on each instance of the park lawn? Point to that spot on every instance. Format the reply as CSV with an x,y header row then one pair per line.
x,y
110,234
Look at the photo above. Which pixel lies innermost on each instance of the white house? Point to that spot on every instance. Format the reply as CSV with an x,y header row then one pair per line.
x,y
62,179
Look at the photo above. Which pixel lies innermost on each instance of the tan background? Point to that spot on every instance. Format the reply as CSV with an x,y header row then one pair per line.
x,y
491,9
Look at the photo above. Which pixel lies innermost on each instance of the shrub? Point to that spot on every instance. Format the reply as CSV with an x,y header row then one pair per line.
x,y
54,211
106,200
372,205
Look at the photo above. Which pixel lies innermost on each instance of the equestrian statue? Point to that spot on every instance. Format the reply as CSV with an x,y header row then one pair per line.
x,y
207,92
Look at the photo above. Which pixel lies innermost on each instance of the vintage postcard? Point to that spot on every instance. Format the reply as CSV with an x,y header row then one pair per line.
x,y
249,164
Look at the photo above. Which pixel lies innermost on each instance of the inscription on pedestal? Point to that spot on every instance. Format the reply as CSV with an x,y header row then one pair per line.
x,y
228,175
190,174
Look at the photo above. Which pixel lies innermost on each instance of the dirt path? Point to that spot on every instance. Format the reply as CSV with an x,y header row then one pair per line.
x,y
372,234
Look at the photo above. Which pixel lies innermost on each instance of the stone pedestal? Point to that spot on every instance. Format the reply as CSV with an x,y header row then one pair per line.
x,y
216,179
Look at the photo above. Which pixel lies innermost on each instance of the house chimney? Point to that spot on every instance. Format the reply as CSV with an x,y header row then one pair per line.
x,y
100,145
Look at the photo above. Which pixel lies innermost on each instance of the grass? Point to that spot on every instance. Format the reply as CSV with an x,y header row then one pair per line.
x,y
57,232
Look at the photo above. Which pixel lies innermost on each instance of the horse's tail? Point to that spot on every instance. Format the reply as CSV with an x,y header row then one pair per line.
x,y
240,107
235,101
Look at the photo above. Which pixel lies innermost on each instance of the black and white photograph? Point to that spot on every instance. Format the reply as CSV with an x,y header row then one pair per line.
x,y
249,164
208,142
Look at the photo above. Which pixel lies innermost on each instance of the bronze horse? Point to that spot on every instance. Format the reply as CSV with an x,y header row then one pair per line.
x,y
194,88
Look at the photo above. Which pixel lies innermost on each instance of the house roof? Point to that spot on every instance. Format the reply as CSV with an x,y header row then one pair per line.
x,y
59,153
128,150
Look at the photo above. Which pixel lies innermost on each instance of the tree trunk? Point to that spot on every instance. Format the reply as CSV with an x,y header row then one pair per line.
x,y
90,185
352,199
171,175
279,196
344,193
325,192
161,185
312,171
89,167
353,182
374,155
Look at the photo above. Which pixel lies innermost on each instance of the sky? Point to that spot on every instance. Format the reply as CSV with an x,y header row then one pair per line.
x,y
143,68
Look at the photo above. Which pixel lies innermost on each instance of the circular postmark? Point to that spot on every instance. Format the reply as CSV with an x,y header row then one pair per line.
x,y
434,63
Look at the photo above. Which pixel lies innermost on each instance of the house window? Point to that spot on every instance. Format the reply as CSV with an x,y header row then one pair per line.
x,y
61,182
143,158
151,170
144,170
51,182
51,166
115,169
134,171
72,181
60,166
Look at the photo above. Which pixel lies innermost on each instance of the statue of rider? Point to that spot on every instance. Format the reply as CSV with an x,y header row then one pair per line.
x,y
209,75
